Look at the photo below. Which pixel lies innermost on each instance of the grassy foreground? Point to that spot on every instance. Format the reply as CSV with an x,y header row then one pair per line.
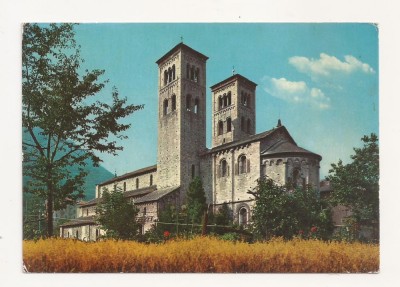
x,y
202,254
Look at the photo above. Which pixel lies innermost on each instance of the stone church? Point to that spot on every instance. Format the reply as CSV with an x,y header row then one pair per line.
x,y
237,158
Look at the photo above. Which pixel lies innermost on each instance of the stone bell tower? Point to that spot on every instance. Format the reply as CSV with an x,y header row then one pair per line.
x,y
181,116
234,110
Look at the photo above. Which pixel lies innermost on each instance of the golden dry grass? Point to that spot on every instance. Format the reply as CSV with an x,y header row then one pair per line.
x,y
202,254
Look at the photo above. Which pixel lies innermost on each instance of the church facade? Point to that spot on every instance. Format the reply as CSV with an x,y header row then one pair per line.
x,y
231,167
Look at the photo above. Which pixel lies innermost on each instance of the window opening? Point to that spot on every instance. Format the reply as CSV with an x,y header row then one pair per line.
x,y
188,101
228,125
196,106
243,216
193,170
224,168
242,164
165,107
173,108
220,128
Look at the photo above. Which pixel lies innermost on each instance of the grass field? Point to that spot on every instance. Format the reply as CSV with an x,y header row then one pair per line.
x,y
202,254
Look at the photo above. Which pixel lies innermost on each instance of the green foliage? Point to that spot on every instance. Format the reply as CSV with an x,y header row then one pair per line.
x,y
222,219
281,212
356,185
196,201
34,215
63,129
116,216
230,236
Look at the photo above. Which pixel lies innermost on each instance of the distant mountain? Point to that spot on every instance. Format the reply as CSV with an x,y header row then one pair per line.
x,y
95,176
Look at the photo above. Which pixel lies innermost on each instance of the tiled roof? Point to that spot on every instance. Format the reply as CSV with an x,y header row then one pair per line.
x,y
325,186
250,139
231,78
80,221
140,191
130,193
156,195
90,202
286,147
130,174
183,47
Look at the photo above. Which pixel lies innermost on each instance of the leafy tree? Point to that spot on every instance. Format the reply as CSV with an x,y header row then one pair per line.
x,y
356,185
64,127
34,225
196,201
117,216
222,218
280,211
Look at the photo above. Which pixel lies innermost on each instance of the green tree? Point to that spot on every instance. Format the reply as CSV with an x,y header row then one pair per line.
x,y
34,225
356,185
196,201
222,218
280,211
117,216
64,126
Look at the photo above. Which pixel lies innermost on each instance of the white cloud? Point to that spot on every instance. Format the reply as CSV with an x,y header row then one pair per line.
x,y
328,65
296,92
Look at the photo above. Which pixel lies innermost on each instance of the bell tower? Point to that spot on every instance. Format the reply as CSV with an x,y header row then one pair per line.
x,y
233,110
181,116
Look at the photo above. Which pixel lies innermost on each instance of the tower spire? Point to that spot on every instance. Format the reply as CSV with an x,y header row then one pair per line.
x,y
279,123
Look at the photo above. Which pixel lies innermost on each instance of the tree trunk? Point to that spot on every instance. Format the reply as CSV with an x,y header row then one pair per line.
x,y
49,210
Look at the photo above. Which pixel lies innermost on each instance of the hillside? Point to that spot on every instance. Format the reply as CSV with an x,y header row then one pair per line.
x,y
95,175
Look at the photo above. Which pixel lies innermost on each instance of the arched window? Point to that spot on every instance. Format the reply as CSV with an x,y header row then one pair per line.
x,y
124,186
248,126
264,169
144,210
228,125
173,108
173,72
151,179
196,106
188,102
242,124
220,128
248,100
242,164
224,168
244,99
229,99
165,77
220,103
243,216
169,75
193,171
196,75
137,183
225,101
187,71
77,234
165,107
192,73
296,176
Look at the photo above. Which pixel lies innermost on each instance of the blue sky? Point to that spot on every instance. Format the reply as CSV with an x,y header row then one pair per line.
x,y
321,80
